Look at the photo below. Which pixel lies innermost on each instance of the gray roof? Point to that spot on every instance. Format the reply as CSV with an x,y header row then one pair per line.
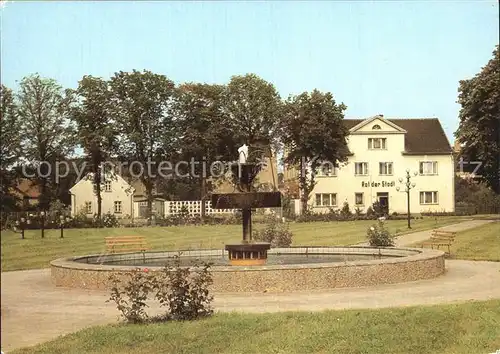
x,y
424,135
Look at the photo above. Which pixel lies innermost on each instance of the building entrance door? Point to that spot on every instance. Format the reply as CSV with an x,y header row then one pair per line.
x,y
383,200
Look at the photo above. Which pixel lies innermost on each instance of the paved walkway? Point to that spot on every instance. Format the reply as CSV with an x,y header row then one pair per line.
x,y
34,311
419,236
414,237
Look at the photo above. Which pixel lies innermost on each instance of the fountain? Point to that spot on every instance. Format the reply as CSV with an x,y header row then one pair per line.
x,y
248,252
254,266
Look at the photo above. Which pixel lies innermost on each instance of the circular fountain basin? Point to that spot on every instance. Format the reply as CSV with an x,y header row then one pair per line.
x,y
287,269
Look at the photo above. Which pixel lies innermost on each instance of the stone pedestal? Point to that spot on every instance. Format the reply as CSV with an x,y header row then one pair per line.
x,y
247,254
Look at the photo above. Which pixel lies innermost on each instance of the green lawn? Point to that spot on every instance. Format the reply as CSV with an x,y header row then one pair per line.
x,y
478,244
35,252
467,328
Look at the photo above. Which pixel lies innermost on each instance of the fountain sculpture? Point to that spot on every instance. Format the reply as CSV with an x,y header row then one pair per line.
x,y
248,252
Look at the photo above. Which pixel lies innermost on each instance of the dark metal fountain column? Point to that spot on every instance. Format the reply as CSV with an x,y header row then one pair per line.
x,y
246,212
247,252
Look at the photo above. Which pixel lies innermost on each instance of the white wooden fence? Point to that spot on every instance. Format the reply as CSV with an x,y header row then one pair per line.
x,y
193,208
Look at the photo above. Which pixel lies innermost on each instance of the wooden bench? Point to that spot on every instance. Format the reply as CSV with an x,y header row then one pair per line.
x,y
441,238
122,244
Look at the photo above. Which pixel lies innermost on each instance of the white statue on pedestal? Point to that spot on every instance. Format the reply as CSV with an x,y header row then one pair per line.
x,y
243,153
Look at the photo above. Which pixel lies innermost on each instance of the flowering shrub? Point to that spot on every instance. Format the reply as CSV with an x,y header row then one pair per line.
x,y
131,299
185,292
181,290
109,220
379,236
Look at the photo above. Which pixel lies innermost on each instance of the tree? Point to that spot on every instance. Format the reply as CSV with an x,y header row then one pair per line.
x,y
254,109
475,197
95,129
46,131
313,134
10,147
479,131
142,108
206,137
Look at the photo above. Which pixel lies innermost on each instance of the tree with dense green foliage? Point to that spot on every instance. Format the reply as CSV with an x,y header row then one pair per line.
x,y
46,131
479,128
205,136
96,132
142,105
254,108
475,197
10,147
313,134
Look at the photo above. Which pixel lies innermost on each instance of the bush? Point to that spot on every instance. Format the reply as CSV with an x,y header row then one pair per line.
x,y
275,232
288,206
181,290
81,220
379,236
131,299
473,197
108,220
345,212
185,293
402,217
57,208
378,210
370,213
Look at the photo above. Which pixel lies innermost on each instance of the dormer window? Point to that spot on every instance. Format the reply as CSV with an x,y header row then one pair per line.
x,y
376,127
377,143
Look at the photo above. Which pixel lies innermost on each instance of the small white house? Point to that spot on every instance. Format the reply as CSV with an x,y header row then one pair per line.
x,y
117,197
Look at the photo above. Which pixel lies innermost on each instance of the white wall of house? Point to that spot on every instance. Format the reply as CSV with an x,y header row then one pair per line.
x,y
432,192
117,197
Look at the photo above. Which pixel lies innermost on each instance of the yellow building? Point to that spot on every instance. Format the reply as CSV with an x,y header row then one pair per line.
x,y
381,151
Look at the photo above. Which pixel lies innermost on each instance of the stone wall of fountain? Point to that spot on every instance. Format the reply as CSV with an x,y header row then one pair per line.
x,y
403,264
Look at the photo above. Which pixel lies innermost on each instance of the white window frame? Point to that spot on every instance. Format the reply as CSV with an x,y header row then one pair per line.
x,y
331,171
381,141
115,204
424,171
107,186
434,198
88,207
362,198
321,199
364,168
385,166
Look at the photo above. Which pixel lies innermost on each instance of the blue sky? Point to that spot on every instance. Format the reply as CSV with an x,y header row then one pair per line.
x,y
397,58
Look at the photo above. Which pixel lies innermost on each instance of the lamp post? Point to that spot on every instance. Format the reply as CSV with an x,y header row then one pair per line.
x,y
22,226
61,219
42,220
408,185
